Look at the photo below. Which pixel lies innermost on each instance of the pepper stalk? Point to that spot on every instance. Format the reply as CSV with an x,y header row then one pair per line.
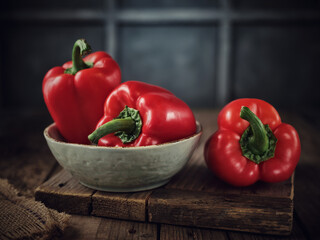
x,y
80,48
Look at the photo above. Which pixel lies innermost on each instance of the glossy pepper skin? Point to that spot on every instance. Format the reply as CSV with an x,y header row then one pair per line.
x,y
164,117
75,92
224,154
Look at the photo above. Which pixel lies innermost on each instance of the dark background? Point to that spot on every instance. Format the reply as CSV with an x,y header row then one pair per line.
x,y
206,52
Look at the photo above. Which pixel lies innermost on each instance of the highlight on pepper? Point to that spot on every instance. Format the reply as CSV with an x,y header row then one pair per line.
x,y
252,144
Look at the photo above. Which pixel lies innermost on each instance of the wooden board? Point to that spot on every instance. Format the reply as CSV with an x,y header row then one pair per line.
x,y
193,198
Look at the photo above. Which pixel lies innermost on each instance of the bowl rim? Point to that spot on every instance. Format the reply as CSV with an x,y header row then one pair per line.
x,y
199,132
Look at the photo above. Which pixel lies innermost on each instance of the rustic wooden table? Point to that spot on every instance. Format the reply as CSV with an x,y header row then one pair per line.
x,y
27,162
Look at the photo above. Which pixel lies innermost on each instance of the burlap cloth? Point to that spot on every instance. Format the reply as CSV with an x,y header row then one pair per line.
x,y
23,218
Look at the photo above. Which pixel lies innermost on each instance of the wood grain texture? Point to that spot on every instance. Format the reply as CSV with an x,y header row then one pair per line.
x,y
116,229
251,210
168,232
93,228
268,215
130,206
296,234
64,193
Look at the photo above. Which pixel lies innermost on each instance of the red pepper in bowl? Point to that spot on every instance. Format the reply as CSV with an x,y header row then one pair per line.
x,y
252,144
75,93
141,114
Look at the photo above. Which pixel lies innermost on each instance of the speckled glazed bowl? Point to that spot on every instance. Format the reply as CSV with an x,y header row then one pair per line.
x,y
117,169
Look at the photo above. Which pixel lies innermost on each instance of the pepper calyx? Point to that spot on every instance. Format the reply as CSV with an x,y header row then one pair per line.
x,y
127,126
257,142
130,136
248,153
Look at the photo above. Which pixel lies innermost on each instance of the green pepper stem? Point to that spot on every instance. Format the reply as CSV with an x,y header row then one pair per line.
x,y
119,124
80,48
259,141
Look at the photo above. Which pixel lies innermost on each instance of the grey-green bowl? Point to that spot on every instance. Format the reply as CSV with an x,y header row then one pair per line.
x,y
116,169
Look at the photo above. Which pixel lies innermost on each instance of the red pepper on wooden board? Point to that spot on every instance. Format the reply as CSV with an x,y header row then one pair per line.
x,y
142,114
75,93
252,144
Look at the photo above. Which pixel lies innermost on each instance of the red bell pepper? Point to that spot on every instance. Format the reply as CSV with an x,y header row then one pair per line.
x,y
75,93
142,114
252,144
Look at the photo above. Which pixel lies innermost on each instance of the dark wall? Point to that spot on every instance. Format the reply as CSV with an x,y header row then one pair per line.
x,y
206,52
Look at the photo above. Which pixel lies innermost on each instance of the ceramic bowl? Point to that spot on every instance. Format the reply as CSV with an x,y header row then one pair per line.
x,y
116,169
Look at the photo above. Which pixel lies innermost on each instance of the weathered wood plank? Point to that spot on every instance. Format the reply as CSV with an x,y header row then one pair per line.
x,y
168,232
260,214
129,206
64,193
116,229
297,234
93,228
